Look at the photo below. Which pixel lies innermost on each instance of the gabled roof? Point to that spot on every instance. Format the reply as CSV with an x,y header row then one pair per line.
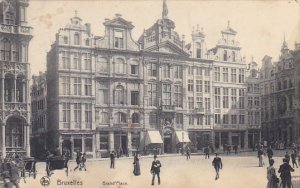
x,y
167,47
118,22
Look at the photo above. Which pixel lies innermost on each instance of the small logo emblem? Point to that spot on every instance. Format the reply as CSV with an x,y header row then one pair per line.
x,y
45,181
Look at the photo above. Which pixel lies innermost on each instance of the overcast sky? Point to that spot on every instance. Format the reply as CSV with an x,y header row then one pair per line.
x,y
260,24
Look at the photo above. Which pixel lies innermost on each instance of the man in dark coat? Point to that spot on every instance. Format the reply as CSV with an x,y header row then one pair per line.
x,y
155,169
287,156
217,163
285,174
270,153
112,159
206,151
188,153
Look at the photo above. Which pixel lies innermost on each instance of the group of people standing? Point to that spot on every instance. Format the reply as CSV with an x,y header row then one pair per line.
x,y
284,170
80,161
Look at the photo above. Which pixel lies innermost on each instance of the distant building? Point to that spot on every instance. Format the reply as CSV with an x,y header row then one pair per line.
x,y
15,35
38,114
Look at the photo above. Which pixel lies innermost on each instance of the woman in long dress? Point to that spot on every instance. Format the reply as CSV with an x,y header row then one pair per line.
x,y
136,166
271,176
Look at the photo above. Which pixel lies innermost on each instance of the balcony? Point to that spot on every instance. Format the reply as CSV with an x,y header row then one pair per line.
x,y
168,108
199,111
24,30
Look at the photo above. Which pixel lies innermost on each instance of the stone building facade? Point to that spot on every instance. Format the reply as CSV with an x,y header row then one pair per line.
x,y
114,93
280,98
15,35
38,114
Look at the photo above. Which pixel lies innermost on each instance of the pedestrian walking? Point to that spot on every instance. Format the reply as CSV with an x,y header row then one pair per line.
x,y
206,151
155,170
14,174
285,174
287,156
269,153
112,159
293,157
78,161
235,148
217,163
136,165
83,160
260,157
273,180
188,153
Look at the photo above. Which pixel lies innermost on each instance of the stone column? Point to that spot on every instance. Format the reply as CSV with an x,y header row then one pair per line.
x,y
220,140
111,141
129,144
229,138
27,140
72,146
3,141
83,143
246,140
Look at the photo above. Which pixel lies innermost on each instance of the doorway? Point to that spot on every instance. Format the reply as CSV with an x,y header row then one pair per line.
x,y
124,144
167,143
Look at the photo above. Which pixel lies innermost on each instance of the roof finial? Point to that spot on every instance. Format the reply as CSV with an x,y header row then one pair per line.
x,y
165,10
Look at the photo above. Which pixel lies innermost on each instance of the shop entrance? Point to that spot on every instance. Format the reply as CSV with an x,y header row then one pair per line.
x,y
168,143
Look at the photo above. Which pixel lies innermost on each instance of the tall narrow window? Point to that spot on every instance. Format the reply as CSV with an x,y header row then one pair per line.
x,y
166,71
217,97
88,86
102,64
225,98
199,86
65,85
217,74
87,61
198,53
118,39
233,75
166,94
66,115
88,115
191,103
134,98
15,52
120,66
119,95
77,114
76,39
225,55
225,74
190,85
8,87
76,61
20,89
152,70
178,95
207,86
9,18
77,85
135,118
177,72
152,97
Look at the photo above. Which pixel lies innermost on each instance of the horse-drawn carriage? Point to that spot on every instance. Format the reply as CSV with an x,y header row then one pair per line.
x,y
57,163
17,168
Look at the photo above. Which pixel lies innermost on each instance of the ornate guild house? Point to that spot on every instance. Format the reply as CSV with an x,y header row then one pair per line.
x,y
114,93
15,35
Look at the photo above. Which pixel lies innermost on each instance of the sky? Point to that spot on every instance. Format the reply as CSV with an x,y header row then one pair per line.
x,y
261,25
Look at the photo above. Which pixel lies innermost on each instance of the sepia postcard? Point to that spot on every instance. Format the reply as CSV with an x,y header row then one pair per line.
x,y
149,93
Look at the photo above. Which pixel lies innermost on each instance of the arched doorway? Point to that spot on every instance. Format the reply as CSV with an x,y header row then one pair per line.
x,y
14,133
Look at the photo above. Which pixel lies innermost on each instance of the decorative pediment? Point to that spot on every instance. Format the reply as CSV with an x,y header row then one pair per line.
x,y
119,22
168,47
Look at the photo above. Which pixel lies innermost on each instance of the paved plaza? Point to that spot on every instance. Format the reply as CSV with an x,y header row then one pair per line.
x,y
239,171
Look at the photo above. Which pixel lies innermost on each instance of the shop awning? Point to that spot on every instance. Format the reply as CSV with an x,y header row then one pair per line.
x,y
153,137
182,136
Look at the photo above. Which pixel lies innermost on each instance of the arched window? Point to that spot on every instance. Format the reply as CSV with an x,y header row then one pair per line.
x,y
135,118
121,117
66,40
225,55
8,87
20,88
120,66
14,132
119,95
76,39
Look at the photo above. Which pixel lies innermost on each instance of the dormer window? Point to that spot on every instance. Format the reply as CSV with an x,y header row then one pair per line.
x,y
87,42
225,55
9,18
76,39
118,39
65,40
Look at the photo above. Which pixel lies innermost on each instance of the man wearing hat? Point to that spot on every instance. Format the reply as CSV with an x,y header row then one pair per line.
x,y
217,163
155,169
285,174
